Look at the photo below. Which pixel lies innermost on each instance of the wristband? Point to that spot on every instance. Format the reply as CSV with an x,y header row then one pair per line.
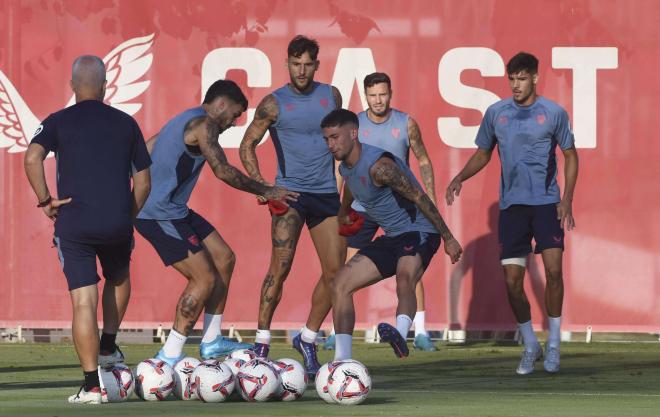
x,y
45,202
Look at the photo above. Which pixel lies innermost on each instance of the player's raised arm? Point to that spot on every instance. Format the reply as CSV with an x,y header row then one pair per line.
x,y
425,165
206,132
266,115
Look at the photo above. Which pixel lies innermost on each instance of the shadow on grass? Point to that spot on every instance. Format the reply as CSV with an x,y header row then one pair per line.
x,y
36,368
39,385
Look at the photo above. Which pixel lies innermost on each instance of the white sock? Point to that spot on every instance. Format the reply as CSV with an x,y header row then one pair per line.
x,y
403,324
333,330
343,346
212,323
263,336
554,332
308,336
529,338
174,344
420,323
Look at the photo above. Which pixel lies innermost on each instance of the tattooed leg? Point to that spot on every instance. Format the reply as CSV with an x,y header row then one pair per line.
x,y
285,232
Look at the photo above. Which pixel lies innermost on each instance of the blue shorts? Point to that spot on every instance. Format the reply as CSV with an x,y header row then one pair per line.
x,y
365,235
385,251
519,223
78,261
313,208
174,239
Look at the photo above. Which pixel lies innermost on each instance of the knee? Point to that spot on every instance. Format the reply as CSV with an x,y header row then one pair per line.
x,y
230,260
405,282
553,275
514,285
341,287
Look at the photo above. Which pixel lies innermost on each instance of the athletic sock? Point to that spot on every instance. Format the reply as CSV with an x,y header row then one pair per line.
x,y
174,344
308,336
420,323
403,324
529,338
91,380
343,346
333,330
107,344
263,337
212,323
554,331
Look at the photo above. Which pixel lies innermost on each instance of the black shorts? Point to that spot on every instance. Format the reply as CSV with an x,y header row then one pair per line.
x,y
365,235
385,251
78,261
174,239
313,208
519,223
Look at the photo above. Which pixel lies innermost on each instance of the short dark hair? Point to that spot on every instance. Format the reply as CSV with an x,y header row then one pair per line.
x,y
377,78
301,44
226,88
522,61
338,118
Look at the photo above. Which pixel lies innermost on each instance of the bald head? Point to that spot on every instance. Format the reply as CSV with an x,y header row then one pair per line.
x,y
88,78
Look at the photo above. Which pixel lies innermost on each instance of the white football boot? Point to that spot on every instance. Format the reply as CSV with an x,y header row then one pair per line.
x,y
528,360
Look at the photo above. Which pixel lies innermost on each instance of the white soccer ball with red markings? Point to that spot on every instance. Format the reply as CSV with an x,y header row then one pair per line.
x,y
258,381
184,384
154,380
349,383
117,383
321,380
234,364
214,383
245,355
212,362
293,379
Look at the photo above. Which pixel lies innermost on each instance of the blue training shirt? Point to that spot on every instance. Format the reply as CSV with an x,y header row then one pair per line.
x,y
174,172
526,138
304,163
97,148
390,135
393,213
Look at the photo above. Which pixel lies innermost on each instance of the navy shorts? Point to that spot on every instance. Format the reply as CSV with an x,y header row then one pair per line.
x,y
365,235
174,239
78,261
313,208
385,251
519,223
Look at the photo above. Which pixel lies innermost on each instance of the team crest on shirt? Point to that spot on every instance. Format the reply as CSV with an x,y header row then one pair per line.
x,y
540,118
395,132
366,132
289,107
502,120
324,103
194,240
363,181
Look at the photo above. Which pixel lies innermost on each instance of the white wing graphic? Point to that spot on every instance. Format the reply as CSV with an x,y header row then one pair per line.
x,y
17,122
125,65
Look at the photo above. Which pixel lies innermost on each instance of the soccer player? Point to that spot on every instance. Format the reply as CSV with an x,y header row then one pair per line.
x,y
292,114
526,129
384,185
396,132
183,238
98,150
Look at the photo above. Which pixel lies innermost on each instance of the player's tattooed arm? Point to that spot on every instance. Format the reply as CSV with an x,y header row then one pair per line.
x,y
425,165
337,95
385,172
265,115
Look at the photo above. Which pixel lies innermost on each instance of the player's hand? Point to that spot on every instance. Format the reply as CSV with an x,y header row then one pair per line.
x,y
280,193
453,249
453,190
52,209
344,219
261,199
565,214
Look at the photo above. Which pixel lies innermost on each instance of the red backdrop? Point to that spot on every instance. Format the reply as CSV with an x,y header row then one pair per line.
x,y
446,60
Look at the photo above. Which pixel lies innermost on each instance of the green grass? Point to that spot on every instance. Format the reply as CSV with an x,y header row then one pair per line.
x,y
473,380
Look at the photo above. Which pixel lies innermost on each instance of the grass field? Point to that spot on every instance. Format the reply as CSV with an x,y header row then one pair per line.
x,y
473,380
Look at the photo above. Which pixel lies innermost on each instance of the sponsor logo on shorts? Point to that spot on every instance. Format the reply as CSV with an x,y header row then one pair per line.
x,y
194,240
557,239
408,248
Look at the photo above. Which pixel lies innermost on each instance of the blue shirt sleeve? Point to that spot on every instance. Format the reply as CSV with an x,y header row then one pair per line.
x,y
141,159
563,134
46,134
486,136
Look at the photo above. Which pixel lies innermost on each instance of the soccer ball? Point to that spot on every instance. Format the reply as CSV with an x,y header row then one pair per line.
x,y
117,383
154,380
321,380
258,381
234,364
242,354
212,362
213,383
184,384
293,379
349,383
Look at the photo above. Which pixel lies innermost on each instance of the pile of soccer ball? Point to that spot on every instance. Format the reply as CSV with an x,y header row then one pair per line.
x,y
254,379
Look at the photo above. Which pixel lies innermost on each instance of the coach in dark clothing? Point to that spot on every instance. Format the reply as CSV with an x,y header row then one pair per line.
x,y
98,149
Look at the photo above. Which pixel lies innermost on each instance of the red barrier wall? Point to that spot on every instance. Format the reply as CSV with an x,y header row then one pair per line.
x,y
446,60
